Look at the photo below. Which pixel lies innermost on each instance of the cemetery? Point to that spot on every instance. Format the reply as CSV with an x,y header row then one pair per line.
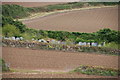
x,y
60,47
53,41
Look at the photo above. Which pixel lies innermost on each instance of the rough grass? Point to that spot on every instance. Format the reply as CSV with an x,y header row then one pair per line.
x,y
89,70
4,67
112,45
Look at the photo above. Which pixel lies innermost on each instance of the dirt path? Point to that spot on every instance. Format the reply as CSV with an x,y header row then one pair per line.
x,y
21,58
89,20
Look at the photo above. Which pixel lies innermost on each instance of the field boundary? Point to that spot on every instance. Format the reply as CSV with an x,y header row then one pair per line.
x,y
61,47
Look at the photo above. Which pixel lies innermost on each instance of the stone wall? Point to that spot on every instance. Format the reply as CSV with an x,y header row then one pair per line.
x,y
48,46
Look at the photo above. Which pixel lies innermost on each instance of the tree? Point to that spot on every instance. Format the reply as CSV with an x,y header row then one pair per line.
x,y
10,30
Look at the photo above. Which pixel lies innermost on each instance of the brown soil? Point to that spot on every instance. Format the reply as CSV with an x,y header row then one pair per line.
x,y
47,61
33,4
79,21
20,58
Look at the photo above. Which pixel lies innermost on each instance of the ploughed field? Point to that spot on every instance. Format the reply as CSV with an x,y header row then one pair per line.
x,y
89,20
33,4
45,60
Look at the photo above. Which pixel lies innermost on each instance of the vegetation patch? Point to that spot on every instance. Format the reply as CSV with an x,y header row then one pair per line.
x,y
14,11
4,66
90,70
17,11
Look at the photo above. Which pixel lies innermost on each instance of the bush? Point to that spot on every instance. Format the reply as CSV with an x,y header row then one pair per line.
x,y
10,30
18,24
108,35
4,67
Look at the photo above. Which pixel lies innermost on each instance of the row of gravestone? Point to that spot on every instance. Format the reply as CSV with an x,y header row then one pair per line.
x,y
39,40
91,44
13,38
50,41
47,46
57,42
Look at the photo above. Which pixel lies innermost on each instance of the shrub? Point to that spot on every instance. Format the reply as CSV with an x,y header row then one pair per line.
x,y
10,30
18,24
4,67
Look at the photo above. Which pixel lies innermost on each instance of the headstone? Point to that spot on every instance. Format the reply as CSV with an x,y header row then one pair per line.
x,y
17,38
88,43
94,44
12,38
84,43
21,38
40,40
80,43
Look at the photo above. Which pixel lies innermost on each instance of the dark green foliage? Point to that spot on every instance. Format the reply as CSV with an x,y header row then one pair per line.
x,y
103,35
59,35
18,24
103,3
89,70
7,20
108,35
110,3
14,11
